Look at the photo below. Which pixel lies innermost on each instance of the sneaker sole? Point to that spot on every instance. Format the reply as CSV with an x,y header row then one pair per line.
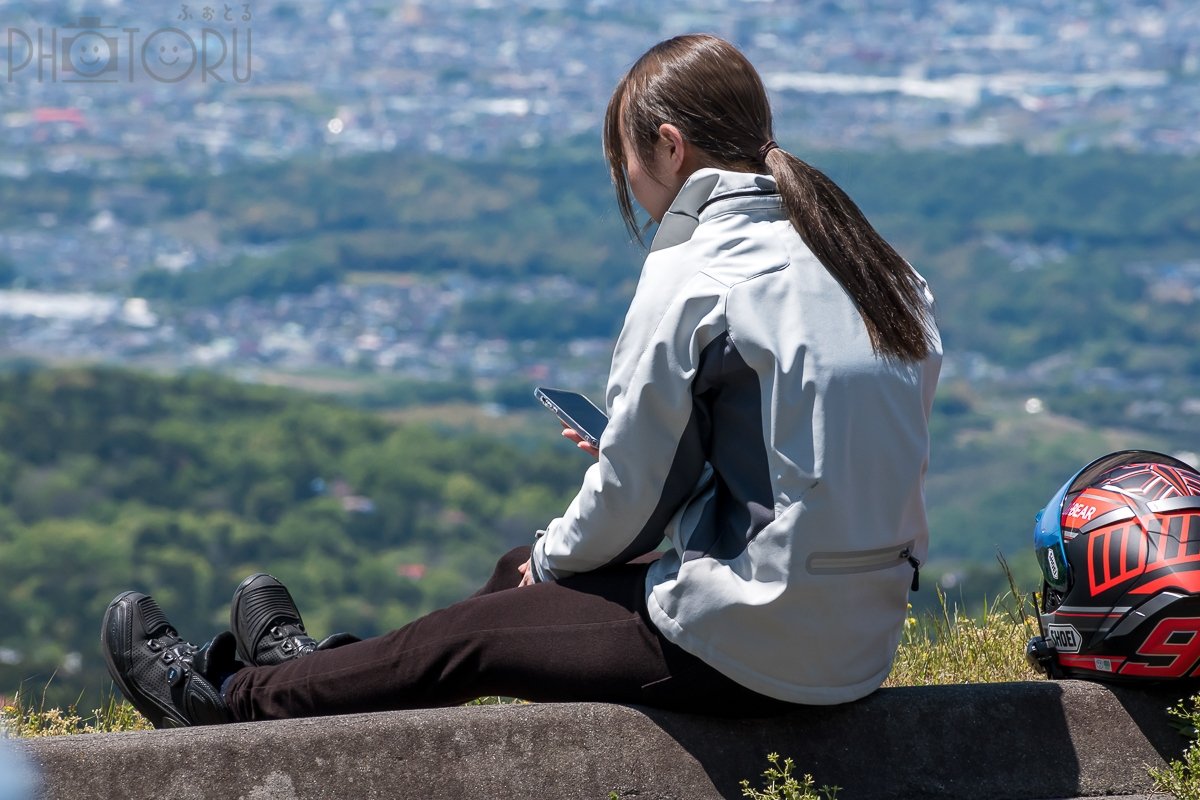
x,y
117,627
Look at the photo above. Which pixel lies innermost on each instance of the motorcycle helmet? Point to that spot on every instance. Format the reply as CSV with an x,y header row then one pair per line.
x,y
1119,549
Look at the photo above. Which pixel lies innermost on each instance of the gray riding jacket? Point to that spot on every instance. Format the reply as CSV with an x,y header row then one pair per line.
x,y
753,426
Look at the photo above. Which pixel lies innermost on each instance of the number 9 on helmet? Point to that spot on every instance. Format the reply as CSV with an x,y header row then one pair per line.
x,y
1119,549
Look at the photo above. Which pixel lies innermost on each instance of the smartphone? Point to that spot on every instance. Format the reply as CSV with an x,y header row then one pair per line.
x,y
576,411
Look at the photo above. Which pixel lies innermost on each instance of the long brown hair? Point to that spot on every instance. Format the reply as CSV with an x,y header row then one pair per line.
x,y
707,89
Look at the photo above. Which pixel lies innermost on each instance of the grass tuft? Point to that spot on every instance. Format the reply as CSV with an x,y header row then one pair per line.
x,y
23,719
949,646
952,647
496,700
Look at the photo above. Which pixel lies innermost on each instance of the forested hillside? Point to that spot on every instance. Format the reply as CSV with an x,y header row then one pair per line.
x,y
180,487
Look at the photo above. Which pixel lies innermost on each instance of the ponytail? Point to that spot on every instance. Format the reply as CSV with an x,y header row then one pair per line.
x,y
886,289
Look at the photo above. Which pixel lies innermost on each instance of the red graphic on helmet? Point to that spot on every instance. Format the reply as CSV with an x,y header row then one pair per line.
x,y
1135,532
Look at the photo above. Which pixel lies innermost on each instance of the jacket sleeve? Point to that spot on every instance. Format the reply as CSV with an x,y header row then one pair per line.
x,y
652,454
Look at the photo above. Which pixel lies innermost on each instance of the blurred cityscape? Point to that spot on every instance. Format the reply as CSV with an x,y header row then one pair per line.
x,y
477,77
94,87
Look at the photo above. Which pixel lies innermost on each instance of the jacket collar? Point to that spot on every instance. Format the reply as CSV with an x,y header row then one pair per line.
x,y
700,198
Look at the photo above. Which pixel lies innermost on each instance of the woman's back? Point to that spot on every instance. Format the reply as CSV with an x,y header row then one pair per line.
x,y
815,447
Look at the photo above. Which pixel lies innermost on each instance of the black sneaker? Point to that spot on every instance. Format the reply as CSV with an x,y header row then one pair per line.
x,y
266,622
160,674
268,626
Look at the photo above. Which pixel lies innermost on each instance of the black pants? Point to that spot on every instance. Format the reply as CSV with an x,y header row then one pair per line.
x,y
585,638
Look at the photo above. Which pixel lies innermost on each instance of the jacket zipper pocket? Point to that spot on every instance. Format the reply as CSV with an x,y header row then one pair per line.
x,y
855,561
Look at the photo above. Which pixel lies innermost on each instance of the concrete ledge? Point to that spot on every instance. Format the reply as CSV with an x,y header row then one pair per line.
x,y
1016,740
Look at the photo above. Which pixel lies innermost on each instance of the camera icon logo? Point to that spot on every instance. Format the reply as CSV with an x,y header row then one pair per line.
x,y
89,52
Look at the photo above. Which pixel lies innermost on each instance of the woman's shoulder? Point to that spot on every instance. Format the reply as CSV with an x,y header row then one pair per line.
x,y
750,244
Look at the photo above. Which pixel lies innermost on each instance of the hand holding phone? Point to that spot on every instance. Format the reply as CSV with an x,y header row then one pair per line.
x,y
575,411
573,436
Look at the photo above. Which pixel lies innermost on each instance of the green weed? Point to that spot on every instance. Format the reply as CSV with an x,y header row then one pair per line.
x,y
1182,778
782,785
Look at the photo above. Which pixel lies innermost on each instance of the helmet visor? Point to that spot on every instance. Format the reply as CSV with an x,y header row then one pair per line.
x,y
1048,540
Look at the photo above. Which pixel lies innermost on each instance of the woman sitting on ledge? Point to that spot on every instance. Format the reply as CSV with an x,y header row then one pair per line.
x,y
769,401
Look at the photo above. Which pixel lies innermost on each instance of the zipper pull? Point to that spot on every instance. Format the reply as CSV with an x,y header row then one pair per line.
x,y
916,565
